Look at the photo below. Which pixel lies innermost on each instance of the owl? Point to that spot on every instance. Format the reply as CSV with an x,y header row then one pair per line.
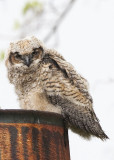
x,y
45,81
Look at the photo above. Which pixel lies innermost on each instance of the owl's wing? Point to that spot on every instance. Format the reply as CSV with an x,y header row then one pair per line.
x,y
64,87
74,77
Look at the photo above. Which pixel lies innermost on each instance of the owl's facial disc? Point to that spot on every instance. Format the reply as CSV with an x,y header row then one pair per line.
x,y
26,59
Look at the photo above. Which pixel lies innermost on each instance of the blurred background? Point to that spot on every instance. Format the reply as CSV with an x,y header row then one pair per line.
x,y
83,32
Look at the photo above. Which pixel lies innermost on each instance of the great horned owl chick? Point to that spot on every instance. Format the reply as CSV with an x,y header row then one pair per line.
x,y
45,81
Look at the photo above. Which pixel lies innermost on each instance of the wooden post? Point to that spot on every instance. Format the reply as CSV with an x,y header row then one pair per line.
x,y
32,135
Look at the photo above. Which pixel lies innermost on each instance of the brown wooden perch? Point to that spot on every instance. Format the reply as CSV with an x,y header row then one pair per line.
x,y
32,135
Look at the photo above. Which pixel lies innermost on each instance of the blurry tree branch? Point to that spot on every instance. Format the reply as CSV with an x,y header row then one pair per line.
x,y
38,19
58,22
41,19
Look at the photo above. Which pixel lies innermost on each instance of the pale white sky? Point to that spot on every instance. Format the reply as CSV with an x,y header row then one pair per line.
x,y
86,39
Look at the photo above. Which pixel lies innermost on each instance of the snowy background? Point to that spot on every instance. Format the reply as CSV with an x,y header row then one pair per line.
x,y
85,39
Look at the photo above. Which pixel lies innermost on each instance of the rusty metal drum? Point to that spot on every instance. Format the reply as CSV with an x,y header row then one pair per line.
x,y
32,135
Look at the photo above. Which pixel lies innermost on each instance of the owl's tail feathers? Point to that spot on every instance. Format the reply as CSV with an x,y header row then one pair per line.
x,y
95,129
98,132
84,122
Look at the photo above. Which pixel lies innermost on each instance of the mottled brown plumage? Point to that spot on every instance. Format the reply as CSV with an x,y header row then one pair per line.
x,y
45,81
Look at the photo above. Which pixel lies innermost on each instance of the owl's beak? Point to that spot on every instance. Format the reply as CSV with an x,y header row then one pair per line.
x,y
27,60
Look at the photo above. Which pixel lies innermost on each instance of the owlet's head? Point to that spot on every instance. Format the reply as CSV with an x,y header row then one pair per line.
x,y
25,53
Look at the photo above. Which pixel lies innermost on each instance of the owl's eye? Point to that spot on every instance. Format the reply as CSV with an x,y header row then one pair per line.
x,y
37,51
17,56
34,53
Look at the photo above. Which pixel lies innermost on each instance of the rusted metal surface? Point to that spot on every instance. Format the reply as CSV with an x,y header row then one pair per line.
x,y
32,135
